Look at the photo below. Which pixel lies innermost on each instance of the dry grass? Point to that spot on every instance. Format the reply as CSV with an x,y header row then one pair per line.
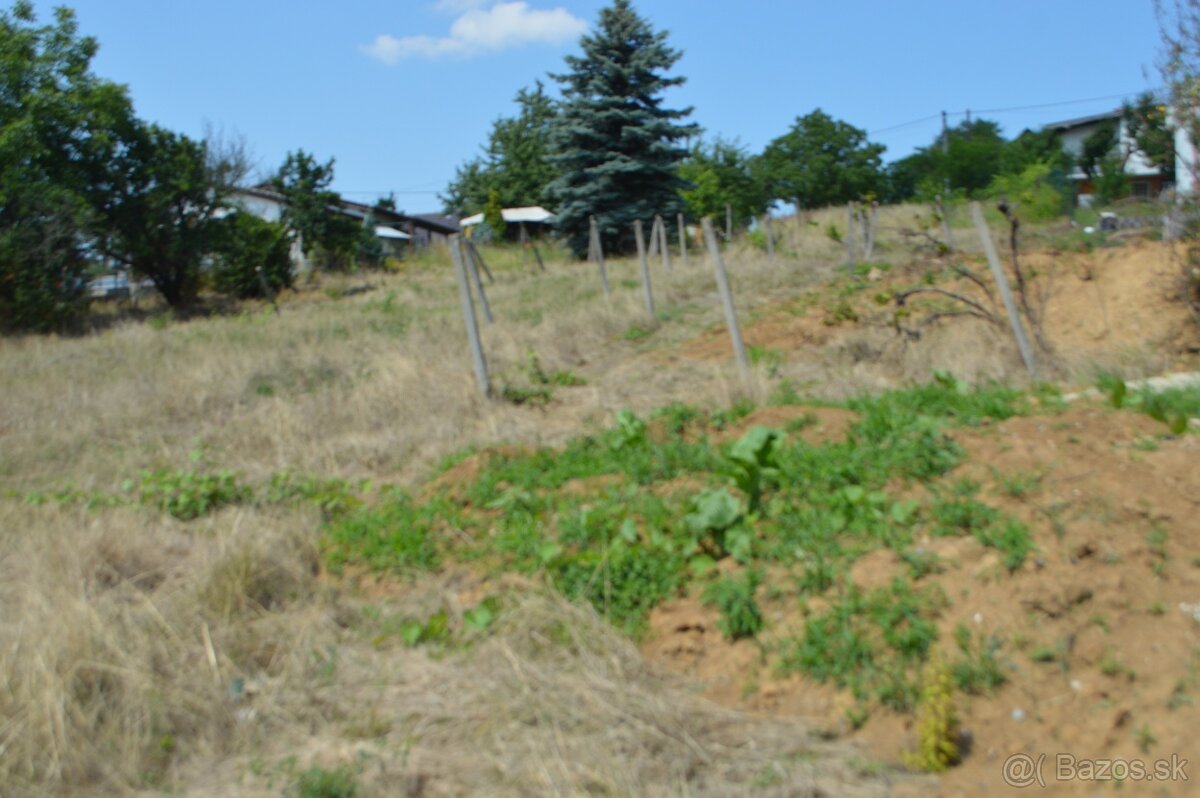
x,y
123,637
123,630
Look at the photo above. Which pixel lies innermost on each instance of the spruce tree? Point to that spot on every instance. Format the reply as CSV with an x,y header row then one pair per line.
x,y
616,148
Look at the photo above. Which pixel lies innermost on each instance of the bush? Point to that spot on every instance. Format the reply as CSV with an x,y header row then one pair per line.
x,y
250,252
1037,191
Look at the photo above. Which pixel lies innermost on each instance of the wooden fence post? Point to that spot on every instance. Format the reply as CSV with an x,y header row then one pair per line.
x,y
731,320
473,271
941,206
641,247
989,249
473,253
871,220
851,234
770,238
468,309
663,245
597,253
728,222
652,244
682,239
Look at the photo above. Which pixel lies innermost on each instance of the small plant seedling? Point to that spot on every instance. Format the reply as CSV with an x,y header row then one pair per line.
x,y
740,614
937,721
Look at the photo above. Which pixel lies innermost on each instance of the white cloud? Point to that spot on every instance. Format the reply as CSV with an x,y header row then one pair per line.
x,y
482,30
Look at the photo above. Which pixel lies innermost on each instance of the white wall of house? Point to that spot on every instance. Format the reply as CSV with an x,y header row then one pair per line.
x,y
1136,166
1185,164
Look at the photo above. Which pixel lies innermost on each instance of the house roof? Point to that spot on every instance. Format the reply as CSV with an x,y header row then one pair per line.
x,y
1068,124
447,221
533,213
383,231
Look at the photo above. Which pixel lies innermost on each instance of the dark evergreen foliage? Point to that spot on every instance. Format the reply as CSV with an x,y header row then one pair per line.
x,y
616,148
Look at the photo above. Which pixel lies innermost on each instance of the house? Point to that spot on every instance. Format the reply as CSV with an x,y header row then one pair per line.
x,y
395,230
1146,180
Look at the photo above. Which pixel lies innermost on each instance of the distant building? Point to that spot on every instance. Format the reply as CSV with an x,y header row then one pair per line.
x,y
1146,181
522,221
394,230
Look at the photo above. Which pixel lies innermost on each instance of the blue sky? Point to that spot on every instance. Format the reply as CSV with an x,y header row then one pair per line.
x,y
402,92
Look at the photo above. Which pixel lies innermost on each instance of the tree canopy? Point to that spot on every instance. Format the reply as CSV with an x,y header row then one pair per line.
x,y
516,161
616,147
719,173
820,161
59,124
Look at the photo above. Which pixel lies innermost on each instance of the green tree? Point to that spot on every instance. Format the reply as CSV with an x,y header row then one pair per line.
x,y
516,161
305,185
1100,144
58,122
966,159
820,161
1038,192
249,253
1147,126
1035,147
159,208
493,217
719,173
616,147
975,158
368,248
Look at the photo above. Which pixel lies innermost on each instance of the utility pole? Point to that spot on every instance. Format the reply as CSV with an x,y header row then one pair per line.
x,y
946,150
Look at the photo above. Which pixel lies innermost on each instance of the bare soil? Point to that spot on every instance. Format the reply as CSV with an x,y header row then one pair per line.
x,y
1102,640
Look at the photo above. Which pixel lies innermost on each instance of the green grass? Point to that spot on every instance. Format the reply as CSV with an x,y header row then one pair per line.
x,y
734,597
1173,406
870,642
630,533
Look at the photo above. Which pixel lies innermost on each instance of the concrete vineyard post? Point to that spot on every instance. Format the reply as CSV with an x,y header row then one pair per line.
x,y
648,294
597,253
473,271
663,246
731,320
682,239
468,309
989,249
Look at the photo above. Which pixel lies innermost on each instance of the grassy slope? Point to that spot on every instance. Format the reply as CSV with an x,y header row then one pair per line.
x,y
172,490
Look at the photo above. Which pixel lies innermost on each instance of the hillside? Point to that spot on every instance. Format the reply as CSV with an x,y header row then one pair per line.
x,y
263,553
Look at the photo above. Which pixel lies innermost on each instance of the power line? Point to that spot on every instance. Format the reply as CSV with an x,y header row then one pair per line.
x,y
1038,106
1055,105
904,124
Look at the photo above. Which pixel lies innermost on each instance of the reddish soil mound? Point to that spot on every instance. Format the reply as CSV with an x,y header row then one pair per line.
x,y
1100,626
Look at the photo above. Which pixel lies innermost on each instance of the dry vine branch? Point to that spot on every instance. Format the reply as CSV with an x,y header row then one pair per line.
x,y
1032,315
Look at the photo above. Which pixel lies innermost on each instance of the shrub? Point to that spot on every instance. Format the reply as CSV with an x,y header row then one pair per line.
x,y
1037,191
250,253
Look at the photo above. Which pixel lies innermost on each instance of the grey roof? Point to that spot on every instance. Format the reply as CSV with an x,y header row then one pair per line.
x,y
1067,124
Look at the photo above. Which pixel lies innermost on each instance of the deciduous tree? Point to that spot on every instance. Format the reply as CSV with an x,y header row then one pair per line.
x,y
821,161
719,173
58,125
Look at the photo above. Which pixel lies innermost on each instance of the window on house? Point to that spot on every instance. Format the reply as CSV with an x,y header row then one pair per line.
x,y
1140,189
